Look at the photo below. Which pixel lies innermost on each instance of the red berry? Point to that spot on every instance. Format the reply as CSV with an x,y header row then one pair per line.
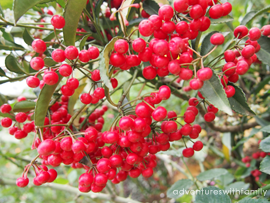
x,y
67,91
21,117
230,91
50,78
149,72
196,11
206,22
240,32
58,55
209,117
121,46
164,92
229,56
71,52
117,59
229,68
39,46
126,123
65,70
217,39
188,152
84,56
37,63
46,147
166,12
227,8
94,52
6,122
180,5
241,69
5,108
22,182
196,84
189,116
216,11
72,83
159,113
95,75
20,134
197,146
58,22
138,45
248,51
205,74
156,21
146,28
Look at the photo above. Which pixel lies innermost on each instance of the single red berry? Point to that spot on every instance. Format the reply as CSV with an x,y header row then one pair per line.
x,y
166,12
6,122
58,22
50,78
164,92
37,63
230,91
229,56
72,83
234,78
138,45
146,28
84,56
71,52
181,27
193,101
227,8
149,72
205,74
39,46
197,146
229,68
94,52
266,30
240,32
159,113
189,116
180,5
209,117
196,84
188,152
126,123
174,67
46,147
216,11
248,51
67,91
58,55
21,117
22,182
217,39
156,21
65,70
211,108
241,68
206,22
121,46
117,59
196,11
5,108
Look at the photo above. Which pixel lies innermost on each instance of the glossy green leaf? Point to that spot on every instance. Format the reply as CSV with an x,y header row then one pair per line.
x,y
72,14
264,53
151,7
253,14
211,174
178,189
265,144
213,92
28,39
24,106
7,36
104,62
265,165
223,19
239,102
212,195
43,102
13,65
74,98
20,7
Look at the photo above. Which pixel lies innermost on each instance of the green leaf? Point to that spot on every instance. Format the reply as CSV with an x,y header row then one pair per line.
x,y
213,91
212,195
8,45
239,102
72,14
74,98
82,43
247,17
125,12
151,7
178,189
237,186
20,7
43,102
97,8
264,53
226,179
24,106
28,39
62,181
49,61
265,165
265,144
252,15
223,19
211,174
262,121
104,62
13,65
266,129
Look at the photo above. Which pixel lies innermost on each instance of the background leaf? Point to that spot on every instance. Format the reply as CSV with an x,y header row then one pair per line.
x,y
211,174
223,19
264,53
213,92
249,200
24,106
72,14
151,7
212,195
28,39
12,64
178,188
253,14
20,7
265,144
265,165
239,102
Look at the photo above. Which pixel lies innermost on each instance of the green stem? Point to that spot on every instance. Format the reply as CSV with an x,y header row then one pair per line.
x,y
190,173
260,191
